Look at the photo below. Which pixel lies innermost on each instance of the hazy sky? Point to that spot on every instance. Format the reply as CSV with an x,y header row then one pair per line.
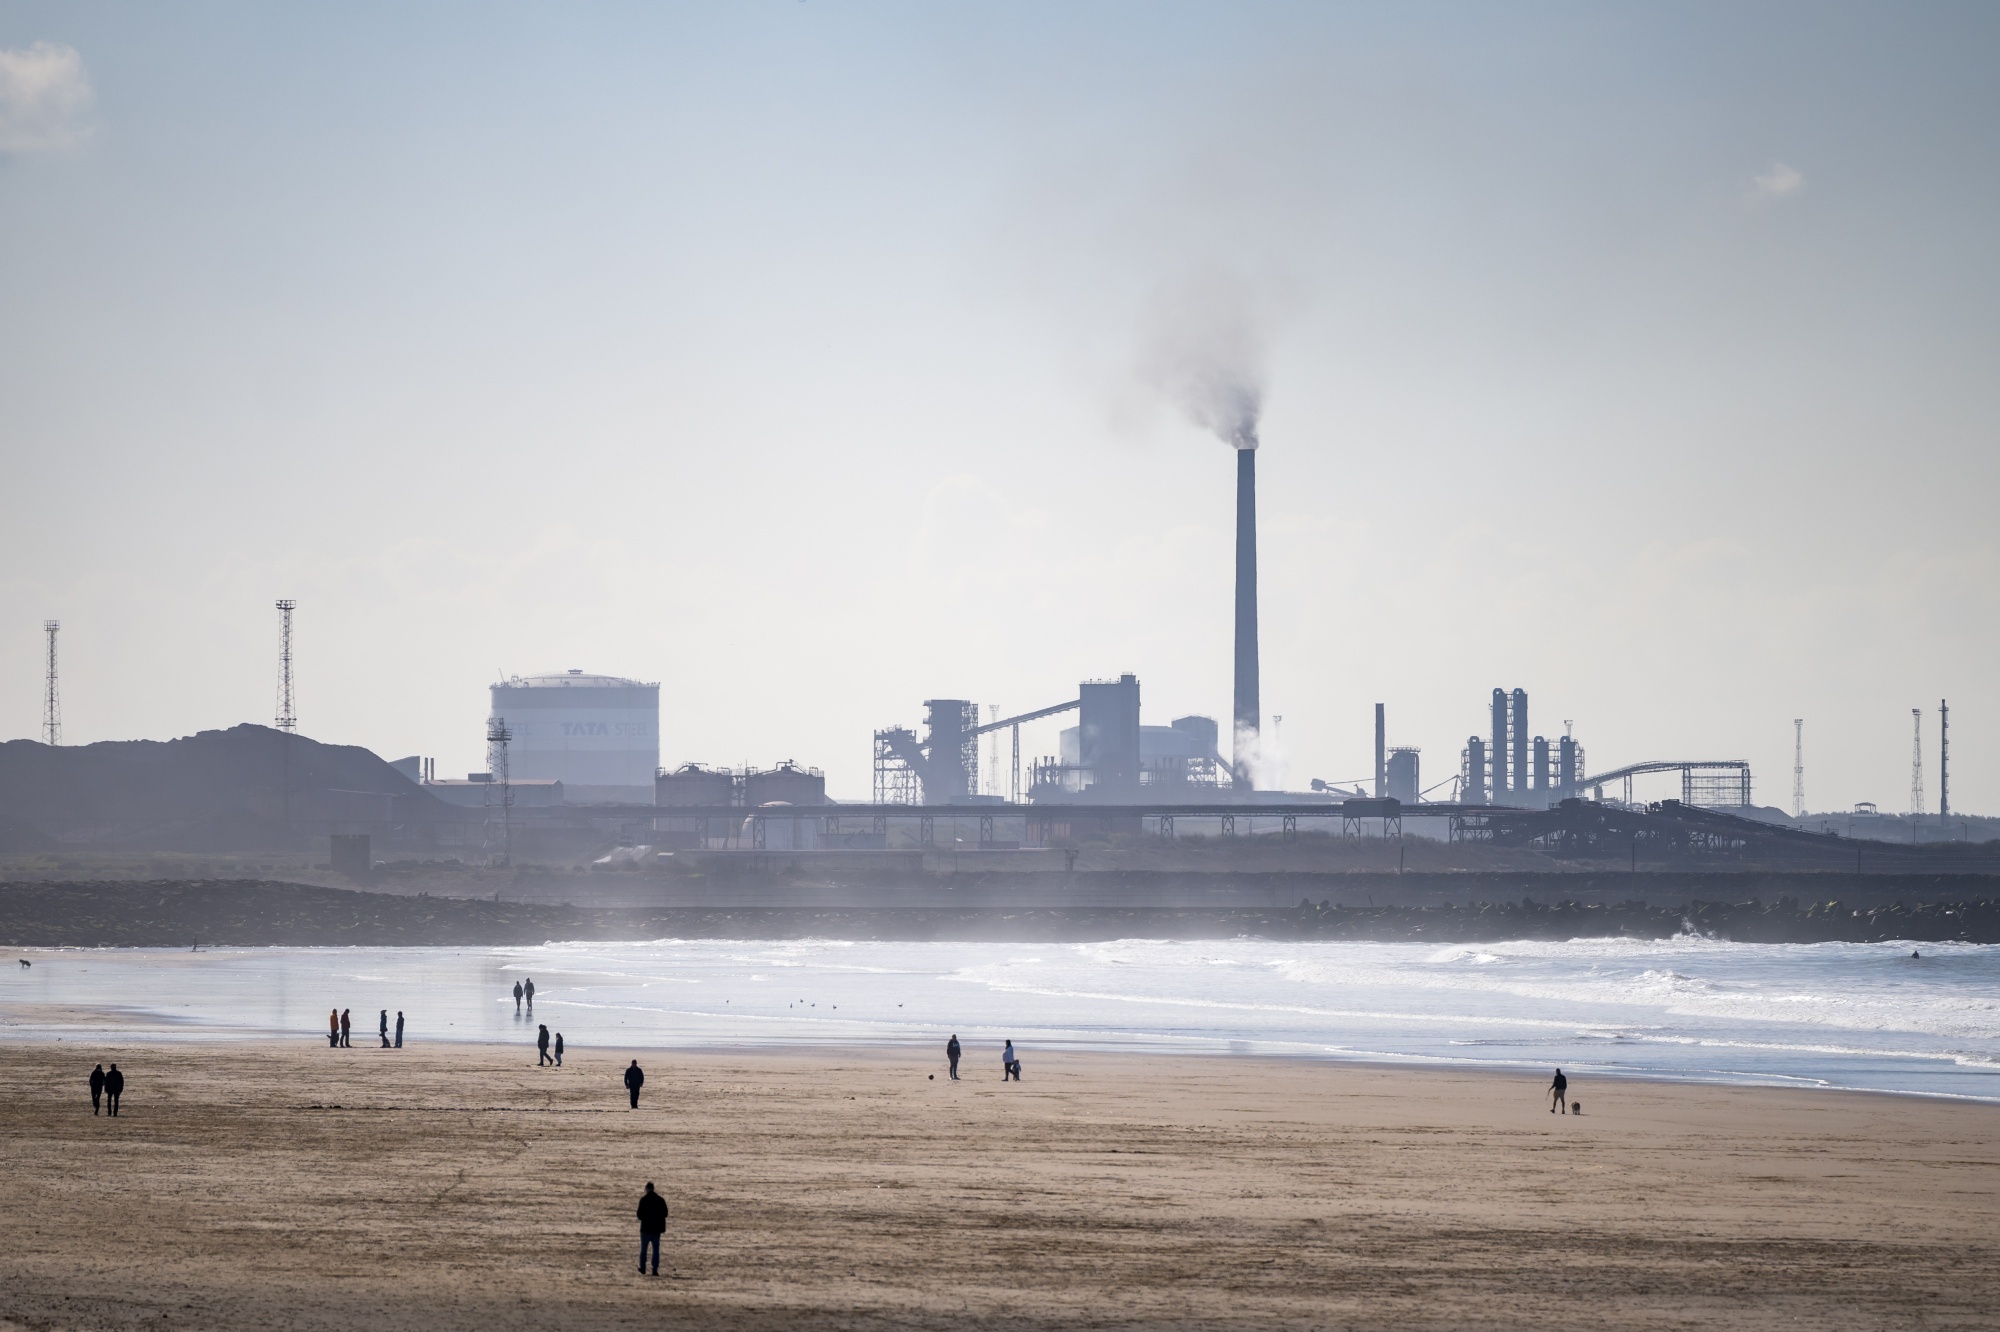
x,y
800,356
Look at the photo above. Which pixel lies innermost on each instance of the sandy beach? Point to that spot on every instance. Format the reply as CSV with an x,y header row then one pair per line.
x,y
460,1187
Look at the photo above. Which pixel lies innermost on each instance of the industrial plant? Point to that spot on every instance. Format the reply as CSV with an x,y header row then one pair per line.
x,y
573,760
579,740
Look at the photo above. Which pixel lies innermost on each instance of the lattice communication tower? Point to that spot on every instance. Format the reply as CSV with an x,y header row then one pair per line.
x,y
499,791
288,719
51,696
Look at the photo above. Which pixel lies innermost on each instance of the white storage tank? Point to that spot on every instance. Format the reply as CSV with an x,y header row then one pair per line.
x,y
599,735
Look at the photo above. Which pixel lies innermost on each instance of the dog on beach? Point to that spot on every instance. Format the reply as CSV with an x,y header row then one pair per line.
x,y
1576,1107
26,963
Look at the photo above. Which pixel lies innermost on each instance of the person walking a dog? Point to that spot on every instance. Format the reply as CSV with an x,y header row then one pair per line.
x,y
1559,1093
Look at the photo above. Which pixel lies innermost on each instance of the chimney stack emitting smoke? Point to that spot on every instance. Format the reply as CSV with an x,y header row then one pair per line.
x,y
1247,701
1207,356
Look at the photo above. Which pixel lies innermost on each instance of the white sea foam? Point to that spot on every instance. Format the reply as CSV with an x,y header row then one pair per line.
x,y
1841,1014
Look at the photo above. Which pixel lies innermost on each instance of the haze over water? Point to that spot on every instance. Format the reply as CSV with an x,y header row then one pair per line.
x,y
1839,1015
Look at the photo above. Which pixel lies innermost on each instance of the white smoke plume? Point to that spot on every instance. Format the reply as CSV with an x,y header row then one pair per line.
x,y
43,95
1205,354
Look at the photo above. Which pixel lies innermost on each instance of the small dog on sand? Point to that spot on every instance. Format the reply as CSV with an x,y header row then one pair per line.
x,y
1576,1107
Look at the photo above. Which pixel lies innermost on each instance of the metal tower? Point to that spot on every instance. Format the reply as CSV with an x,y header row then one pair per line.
x,y
288,720
1798,767
499,790
1916,762
51,698
1944,761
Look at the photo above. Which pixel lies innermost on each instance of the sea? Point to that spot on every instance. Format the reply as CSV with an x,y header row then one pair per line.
x,y
1915,1018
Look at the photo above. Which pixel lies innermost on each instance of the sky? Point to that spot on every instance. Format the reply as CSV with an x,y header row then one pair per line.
x,y
817,359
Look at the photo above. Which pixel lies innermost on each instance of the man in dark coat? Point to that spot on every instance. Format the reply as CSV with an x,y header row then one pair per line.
x,y
114,1087
399,1029
96,1087
529,990
542,1046
652,1224
951,1053
517,998
635,1078
382,1029
346,1029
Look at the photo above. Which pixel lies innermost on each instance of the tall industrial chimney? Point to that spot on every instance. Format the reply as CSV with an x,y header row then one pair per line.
x,y
1381,754
1496,750
1518,734
1247,702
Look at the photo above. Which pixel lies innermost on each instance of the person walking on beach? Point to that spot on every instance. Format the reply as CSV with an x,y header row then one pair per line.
x,y
558,1049
333,1029
114,1087
652,1225
517,998
346,1029
382,1029
1559,1090
528,988
96,1087
1010,1065
542,1046
399,1029
951,1053
635,1078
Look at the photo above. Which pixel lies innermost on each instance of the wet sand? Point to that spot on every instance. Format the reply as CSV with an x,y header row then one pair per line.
x,y
259,1185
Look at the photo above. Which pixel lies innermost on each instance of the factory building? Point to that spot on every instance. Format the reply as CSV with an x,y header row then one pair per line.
x,y
1178,755
693,786
1403,782
1512,767
599,735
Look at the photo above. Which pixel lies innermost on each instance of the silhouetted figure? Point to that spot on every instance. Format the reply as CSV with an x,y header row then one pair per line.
x,y
558,1049
951,1053
517,998
96,1087
399,1029
528,988
346,1030
652,1223
382,1029
333,1029
1556,1090
1010,1064
542,1046
635,1078
114,1087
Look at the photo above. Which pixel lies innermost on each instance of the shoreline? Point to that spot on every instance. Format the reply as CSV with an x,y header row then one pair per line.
x,y
1135,1048
1825,1017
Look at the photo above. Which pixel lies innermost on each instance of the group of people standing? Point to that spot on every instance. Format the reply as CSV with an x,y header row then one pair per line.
x,y
340,1030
